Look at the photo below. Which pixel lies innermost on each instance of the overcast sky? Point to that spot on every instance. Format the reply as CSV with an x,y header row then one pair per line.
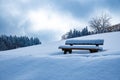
x,y
50,19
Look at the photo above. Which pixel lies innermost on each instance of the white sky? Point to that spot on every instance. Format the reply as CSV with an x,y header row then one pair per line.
x,y
50,19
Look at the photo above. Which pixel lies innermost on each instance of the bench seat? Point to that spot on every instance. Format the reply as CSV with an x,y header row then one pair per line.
x,y
69,49
75,47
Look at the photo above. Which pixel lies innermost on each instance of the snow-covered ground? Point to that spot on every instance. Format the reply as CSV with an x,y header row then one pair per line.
x,y
47,62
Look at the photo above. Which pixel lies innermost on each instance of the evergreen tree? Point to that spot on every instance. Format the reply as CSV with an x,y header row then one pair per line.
x,y
70,34
85,31
76,33
12,42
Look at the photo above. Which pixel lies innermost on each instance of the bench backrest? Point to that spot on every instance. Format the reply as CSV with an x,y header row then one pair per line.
x,y
85,42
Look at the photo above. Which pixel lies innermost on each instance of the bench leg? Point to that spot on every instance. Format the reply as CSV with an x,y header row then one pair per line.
x,y
65,51
92,51
70,51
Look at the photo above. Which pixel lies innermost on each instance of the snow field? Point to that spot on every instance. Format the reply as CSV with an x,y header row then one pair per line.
x,y
47,62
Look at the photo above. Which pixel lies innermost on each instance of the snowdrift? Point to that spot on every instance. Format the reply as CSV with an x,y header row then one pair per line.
x,y
47,62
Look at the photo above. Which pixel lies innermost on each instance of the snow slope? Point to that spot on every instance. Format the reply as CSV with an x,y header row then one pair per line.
x,y
47,62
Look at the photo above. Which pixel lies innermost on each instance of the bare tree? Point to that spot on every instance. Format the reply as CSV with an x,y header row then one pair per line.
x,y
99,24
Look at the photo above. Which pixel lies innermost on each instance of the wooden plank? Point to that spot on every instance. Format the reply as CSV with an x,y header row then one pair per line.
x,y
85,42
80,47
69,49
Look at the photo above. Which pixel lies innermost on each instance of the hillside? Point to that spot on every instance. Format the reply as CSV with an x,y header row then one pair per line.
x,y
47,62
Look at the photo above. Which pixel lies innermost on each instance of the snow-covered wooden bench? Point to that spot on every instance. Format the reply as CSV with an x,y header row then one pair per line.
x,y
75,45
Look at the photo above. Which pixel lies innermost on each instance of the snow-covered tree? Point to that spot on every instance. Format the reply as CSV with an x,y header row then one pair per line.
x,y
12,42
100,23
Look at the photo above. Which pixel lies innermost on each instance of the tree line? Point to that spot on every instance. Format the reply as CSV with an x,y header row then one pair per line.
x,y
76,33
100,24
12,42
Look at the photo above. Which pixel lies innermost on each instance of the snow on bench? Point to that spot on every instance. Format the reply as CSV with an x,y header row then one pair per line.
x,y
74,45
85,42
